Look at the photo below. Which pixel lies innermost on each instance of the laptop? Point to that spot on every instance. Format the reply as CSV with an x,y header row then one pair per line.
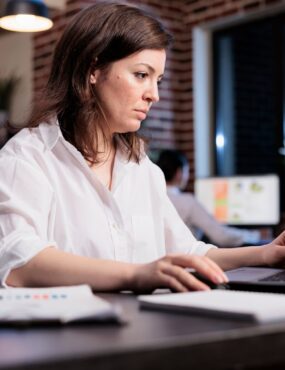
x,y
257,279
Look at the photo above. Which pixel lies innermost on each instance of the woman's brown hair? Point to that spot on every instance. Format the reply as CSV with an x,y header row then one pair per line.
x,y
97,36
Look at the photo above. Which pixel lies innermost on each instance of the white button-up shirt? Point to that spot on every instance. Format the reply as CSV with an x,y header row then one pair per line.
x,y
50,197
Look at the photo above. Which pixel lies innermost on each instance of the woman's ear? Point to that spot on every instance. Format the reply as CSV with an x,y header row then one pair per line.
x,y
95,73
93,78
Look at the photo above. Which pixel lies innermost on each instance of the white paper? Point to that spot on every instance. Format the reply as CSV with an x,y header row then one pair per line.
x,y
63,304
262,307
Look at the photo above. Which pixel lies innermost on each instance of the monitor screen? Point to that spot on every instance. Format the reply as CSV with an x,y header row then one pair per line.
x,y
241,200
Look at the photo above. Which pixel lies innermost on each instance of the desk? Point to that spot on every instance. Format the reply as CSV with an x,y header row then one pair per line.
x,y
152,340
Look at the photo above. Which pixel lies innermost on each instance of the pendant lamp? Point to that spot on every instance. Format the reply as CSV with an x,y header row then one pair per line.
x,y
25,16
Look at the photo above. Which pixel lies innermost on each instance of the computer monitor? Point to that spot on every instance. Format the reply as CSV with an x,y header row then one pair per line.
x,y
241,200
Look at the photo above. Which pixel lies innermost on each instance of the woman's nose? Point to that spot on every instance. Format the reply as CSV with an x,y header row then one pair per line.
x,y
152,95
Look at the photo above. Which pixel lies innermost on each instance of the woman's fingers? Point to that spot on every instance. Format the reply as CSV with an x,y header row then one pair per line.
x,y
170,281
171,272
181,280
218,270
203,265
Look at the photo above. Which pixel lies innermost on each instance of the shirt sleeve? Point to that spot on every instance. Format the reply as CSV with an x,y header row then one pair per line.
x,y
178,237
26,201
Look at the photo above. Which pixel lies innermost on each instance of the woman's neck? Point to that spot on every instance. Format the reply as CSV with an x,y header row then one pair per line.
x,y
103,169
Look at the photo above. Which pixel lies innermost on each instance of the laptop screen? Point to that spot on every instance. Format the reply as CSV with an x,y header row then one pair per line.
x,y
241,200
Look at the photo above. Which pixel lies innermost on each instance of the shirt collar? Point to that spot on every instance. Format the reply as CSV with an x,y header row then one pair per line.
x,y
50,132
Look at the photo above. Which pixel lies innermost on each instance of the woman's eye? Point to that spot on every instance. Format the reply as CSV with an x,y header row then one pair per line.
x,y
141,75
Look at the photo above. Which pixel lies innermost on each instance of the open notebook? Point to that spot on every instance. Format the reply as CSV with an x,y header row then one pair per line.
x,y
55,304
260,307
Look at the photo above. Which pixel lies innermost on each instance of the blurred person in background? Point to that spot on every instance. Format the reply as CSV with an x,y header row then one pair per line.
x,y
175,167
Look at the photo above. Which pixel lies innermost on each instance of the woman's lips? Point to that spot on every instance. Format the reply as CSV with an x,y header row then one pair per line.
x,y
141,114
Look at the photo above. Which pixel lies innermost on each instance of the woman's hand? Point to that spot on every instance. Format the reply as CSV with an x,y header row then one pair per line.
x,y
170,272
273,254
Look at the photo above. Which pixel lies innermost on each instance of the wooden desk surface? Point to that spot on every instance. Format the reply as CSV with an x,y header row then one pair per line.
x,y
151,340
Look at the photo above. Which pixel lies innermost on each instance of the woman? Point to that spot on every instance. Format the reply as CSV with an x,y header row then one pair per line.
x,y
80,202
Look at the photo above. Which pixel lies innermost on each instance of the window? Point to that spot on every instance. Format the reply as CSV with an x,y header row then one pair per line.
x,y
249,99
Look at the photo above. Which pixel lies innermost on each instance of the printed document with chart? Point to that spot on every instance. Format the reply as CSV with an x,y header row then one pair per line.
x,y
55,304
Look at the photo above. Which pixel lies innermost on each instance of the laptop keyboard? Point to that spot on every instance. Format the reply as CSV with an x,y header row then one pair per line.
x,y
280,276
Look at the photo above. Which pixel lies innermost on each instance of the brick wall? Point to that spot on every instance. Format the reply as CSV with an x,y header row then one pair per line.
x,y
44,43
170,123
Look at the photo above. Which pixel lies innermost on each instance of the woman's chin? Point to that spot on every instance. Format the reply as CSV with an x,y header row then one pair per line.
x,y
130,128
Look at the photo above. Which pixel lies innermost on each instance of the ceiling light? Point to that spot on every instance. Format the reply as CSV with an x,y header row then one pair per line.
x,y
25,16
